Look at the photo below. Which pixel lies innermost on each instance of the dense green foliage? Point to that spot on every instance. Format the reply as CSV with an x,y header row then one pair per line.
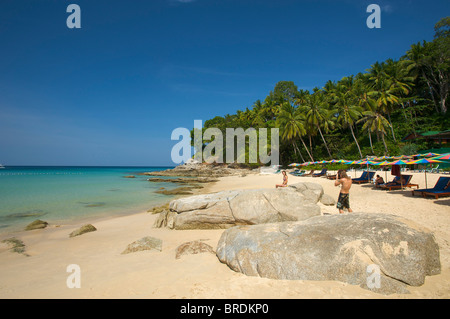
x,y
360,115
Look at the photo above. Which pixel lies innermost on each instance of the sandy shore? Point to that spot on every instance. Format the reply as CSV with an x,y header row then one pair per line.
x,y
106,273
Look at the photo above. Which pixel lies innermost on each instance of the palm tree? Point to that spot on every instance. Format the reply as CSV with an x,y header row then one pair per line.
x,y
418,59
347,109
291,122
258,119
374,121
384,89
317,114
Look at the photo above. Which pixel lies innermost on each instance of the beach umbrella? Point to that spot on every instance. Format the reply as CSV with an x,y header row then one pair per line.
x,y
425,161
383,158
306,163
429,154
442,157
384,163
353,163
402,157
368,163
294,164
398,162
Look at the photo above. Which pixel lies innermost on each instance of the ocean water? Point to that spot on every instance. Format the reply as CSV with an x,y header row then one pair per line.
x,y
69,194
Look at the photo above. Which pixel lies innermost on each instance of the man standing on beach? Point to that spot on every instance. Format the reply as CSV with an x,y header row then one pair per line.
x,y
346,182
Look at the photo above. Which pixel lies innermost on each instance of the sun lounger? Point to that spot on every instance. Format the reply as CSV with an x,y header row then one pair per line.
x,y
297,173
366,177
384,185
390,186
309,174
442,188
322,173
332,176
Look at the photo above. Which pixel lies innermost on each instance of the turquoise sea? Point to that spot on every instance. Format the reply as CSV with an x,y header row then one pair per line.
x,y
68,194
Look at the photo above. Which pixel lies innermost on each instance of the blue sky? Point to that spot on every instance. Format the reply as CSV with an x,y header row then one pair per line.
x,y
112,92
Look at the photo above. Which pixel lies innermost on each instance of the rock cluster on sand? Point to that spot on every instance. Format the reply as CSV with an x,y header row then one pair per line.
x,y
15,245
145,243
37,224
82,230
335,247
193,247
204,170
243,207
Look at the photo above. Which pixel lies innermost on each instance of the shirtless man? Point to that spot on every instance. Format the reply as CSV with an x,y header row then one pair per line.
x,y
346,182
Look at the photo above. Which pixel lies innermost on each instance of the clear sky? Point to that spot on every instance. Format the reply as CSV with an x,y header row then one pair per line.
x,y
112,92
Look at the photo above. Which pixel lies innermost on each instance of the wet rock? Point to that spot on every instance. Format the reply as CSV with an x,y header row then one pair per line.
x,y
37,224
82,230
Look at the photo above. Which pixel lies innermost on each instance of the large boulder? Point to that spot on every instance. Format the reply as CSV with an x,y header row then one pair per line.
x,y
247,207
349,248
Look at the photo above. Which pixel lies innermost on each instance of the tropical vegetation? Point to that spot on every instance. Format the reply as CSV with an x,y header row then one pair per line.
x,y
360,115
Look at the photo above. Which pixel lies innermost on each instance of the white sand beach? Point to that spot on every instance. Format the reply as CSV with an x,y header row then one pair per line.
x,y
106,273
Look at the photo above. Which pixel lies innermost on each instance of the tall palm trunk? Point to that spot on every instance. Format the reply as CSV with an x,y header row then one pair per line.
x,y
296,150
356,141
306,148
370,140
310,146
328,150
390,122
386,152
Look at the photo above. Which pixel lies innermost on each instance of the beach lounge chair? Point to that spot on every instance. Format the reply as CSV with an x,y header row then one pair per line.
x,y
332,176
396,178
442,188
309,174
395,184
298,172
366,177
322,173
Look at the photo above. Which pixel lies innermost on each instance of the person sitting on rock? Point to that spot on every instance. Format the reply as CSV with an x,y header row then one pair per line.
x,y
285,180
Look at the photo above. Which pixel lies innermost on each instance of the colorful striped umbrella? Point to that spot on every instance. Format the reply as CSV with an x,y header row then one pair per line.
x,y
425,161
352,162
383,158
429,154
442,157
368,163
399,162
384,163
306,163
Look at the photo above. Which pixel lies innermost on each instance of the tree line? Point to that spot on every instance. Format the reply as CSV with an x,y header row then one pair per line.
x,y
360,115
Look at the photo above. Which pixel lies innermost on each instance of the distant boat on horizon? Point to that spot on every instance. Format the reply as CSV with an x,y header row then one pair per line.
x,y
1,166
